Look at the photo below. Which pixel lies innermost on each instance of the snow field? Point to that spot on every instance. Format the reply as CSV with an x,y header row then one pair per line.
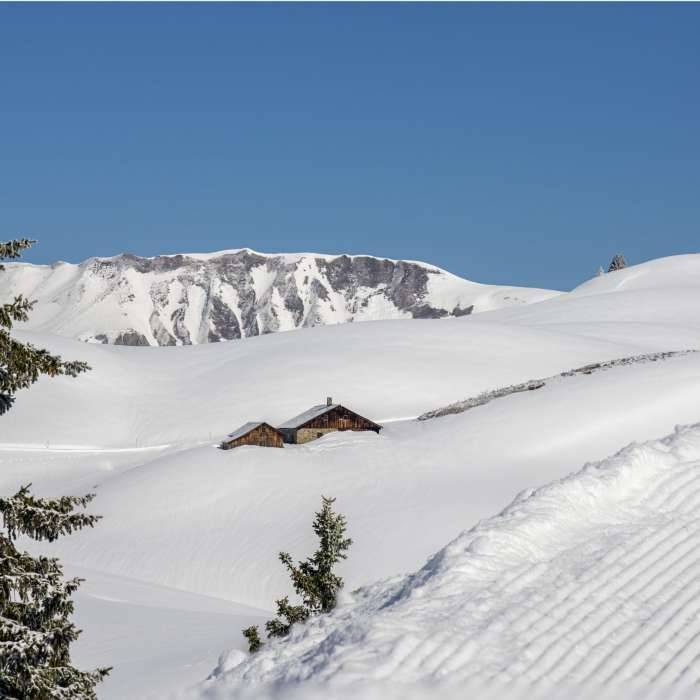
x,y
208,522
558,589
431,479
590,581
160,640
384,690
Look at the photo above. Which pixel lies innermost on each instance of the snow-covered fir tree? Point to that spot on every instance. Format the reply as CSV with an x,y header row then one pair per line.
x,y
35,600
617,263
21,364
314,579
35,603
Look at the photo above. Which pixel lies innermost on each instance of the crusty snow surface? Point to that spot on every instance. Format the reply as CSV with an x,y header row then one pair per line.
x,y
186,553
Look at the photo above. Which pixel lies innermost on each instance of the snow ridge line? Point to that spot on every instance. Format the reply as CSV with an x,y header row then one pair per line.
x,y
533,384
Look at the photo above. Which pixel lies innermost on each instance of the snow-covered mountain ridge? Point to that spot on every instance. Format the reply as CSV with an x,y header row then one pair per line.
x,y
201,298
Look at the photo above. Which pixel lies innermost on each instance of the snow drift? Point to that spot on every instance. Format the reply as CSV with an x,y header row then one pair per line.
x,y
590,580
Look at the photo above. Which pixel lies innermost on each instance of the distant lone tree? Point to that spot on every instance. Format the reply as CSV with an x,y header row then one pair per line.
x,y
314,580
617,263
35,600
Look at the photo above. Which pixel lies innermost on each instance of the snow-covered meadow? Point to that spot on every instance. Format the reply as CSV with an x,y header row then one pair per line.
x,y
186,553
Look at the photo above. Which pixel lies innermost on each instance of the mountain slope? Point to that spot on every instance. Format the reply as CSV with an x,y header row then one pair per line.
x,y
193,299
590,580
661,291
141,427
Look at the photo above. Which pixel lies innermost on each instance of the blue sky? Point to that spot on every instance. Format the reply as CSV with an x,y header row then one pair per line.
x,y
520,144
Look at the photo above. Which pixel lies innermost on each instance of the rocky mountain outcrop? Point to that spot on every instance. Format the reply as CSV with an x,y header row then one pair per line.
x,y
190,299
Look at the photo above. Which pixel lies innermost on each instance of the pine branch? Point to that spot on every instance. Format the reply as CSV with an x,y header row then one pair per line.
x,y
11,250
21,364
42,518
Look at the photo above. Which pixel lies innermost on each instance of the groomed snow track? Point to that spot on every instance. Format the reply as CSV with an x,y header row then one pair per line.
x,y
592,581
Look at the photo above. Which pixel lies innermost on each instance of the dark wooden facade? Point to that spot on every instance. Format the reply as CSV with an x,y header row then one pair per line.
x,y
261,434
335,418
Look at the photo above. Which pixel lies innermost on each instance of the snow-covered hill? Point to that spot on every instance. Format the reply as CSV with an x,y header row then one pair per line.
x,y
190,533
592,580
659,292
193,299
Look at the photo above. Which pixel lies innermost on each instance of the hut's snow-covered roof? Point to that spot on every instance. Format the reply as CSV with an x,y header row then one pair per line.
x,y
306,416
243,430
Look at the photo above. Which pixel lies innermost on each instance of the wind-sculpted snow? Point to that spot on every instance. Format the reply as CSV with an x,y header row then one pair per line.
x,y
591,581
386,690
193,299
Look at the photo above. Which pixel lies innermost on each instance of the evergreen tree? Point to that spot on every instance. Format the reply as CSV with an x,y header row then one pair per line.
x,y
601,271
253,637
35,600
287,615
21,364
617,263
35,603
314,579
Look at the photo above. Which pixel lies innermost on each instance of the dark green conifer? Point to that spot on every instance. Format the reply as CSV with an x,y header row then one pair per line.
x,y
314,580
287,615
253,636
35,601
21,364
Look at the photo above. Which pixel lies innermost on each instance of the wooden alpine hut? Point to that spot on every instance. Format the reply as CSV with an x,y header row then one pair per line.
x,y
325,418
255,433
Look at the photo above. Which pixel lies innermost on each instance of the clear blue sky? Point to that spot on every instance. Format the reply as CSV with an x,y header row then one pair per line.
x,y
507,143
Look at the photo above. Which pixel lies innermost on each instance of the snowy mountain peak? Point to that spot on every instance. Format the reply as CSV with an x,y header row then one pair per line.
x,y
199,298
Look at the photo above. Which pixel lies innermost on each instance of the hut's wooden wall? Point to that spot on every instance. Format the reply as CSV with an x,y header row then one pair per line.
x,y
308,434
341,419
263,436
338,419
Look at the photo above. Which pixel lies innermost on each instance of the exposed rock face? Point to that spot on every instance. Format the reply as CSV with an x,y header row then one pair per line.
x,y
189,299
131,337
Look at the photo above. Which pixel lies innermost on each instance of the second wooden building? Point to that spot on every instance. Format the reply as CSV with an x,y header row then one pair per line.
x,y
255,433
